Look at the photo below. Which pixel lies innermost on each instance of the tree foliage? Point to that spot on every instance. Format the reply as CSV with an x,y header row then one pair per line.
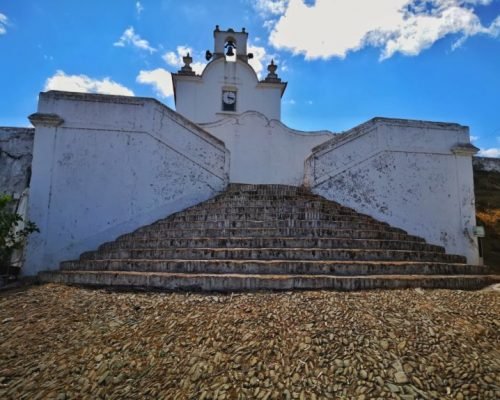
x,y
11,238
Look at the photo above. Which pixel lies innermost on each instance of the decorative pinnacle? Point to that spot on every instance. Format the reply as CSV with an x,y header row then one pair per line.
x,y
272,76
186,69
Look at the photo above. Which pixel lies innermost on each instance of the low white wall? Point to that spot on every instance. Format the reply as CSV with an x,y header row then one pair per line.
x,y
487,164
106,165
265,151
414,175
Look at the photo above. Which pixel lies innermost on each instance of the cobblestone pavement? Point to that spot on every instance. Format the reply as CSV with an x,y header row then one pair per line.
x,y
72,343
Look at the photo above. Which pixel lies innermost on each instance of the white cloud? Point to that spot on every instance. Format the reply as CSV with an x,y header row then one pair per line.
x,y
130,37
139,7
174,59
493,152
85,84
270,7
3,23
160,79
269,24
333,28
260,59
474,138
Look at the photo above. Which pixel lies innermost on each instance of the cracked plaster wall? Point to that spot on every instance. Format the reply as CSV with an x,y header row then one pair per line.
x,y
115,164
404,173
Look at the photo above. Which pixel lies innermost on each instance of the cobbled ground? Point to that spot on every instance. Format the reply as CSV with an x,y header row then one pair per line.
x,y
60,342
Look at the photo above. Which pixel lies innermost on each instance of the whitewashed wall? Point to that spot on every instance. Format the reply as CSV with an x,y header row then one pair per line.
x,y
265,151
112,165
414,175
200,100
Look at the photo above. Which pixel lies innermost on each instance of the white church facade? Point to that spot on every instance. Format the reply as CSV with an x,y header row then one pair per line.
x,y
107,165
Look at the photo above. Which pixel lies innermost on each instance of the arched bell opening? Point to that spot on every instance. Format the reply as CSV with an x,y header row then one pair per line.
x,y
230,48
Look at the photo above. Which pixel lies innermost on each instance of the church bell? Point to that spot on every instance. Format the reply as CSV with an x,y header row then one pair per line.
x,y
230,49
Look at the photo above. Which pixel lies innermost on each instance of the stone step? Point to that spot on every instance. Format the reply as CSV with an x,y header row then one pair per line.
x,y
168,225
268,196
265,216
276,267
272,188
278,205
260,192
235,282
145,234
283,242
272,254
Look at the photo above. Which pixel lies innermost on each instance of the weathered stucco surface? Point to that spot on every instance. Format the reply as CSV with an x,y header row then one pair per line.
x,y
16,147
110,165
265,151
415,175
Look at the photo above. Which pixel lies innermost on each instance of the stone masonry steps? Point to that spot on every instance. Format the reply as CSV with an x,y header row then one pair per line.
x,y
266,216
271,212
154,234
235,283
260,242
277,253
270,237
274,267
290,223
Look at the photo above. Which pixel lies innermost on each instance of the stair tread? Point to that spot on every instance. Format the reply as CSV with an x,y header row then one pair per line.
x,y
276,276
272,261
282,238
277,248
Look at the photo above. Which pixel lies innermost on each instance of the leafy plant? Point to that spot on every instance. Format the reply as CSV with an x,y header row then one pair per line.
x,y
11,239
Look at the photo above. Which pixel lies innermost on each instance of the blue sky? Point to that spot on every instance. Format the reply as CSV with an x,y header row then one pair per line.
x,y
345,61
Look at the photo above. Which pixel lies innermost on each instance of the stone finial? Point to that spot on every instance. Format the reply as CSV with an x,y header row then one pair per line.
x,y
186,69
272,76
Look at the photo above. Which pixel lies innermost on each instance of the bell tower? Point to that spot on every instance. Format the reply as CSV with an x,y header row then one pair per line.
x,y
230,43
228,85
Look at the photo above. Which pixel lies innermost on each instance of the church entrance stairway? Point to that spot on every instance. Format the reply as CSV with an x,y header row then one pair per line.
x,y
270,237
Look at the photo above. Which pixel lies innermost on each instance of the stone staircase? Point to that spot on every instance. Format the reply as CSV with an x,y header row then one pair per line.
x,y
270,237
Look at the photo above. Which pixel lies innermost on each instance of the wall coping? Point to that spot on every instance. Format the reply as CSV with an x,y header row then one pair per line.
x,y
379,121
13,130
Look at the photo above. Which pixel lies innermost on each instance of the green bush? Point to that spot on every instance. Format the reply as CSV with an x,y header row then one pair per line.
x,y
10,240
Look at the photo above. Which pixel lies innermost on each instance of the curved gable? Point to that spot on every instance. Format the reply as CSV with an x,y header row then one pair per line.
x,y
212,66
